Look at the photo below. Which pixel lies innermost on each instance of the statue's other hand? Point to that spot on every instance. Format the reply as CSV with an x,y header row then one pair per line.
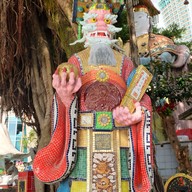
x,y
66,85
124,117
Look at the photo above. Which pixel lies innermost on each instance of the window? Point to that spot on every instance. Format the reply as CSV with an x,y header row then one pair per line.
x,y
15,131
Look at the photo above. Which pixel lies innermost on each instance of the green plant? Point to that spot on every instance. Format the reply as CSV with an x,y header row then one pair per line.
x,y
167,85
29,140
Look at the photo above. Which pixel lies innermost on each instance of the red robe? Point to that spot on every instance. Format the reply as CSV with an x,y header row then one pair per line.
x,y
103,88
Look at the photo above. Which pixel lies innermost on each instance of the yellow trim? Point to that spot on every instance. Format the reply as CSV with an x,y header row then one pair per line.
x,y
175,176
89,159
82,138
116,144
124,186
124,138
78,186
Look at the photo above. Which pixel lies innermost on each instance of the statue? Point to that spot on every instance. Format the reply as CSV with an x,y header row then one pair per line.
x,y
158,47
96,144
153,46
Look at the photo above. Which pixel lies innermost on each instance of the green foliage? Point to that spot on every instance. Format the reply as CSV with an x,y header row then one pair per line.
x,y
172,32
122,23
31,139
156,30
166,84
24,142
32,136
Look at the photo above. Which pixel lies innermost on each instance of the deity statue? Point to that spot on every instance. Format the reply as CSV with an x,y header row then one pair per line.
x,y
152,46
97,144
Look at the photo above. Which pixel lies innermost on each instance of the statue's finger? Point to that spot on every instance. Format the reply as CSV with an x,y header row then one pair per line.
x,y
63,79
77,85
56,81
71,78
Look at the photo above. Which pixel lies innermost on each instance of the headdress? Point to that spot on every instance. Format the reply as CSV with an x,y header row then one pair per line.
x,y
141,8
96,6
145,6
82,6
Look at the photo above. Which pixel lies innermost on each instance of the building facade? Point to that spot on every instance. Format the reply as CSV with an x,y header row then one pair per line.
x,y
17,131
174,11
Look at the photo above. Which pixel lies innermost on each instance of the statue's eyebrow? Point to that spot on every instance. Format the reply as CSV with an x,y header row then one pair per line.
x,y
88,16
113,18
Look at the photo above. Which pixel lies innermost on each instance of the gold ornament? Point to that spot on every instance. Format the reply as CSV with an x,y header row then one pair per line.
x,y
69,68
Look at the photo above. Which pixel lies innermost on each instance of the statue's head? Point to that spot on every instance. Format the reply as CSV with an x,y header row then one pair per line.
x,y
97,25
142,21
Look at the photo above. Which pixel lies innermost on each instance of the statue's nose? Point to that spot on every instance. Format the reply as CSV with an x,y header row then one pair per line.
x,y
101,25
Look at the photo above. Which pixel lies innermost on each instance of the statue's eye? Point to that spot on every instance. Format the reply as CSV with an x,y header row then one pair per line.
x,y
107,21
93,20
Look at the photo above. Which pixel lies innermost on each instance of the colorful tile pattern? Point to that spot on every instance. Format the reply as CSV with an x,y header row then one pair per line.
x,y
104,121
80,169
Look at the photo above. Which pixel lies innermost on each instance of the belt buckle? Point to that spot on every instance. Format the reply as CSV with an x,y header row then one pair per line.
x,y
103,121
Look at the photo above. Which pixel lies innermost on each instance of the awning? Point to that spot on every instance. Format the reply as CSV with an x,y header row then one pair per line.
x,y
7,150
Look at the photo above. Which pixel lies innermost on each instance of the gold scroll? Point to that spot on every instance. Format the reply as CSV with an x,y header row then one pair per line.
x,y
137,88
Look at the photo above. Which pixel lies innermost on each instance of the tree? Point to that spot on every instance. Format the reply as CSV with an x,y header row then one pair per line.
x,y
34,39
167,89
174,88
174,32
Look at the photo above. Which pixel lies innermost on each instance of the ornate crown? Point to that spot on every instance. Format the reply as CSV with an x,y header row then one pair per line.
x,y
141,8
82,6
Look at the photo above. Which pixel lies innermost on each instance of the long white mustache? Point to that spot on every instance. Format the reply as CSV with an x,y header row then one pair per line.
x,y
92,41
87,28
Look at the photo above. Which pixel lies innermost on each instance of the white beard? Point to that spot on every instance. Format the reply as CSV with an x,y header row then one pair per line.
x,y
101,54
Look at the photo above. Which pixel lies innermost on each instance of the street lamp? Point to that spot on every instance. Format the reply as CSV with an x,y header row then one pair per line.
x,y
186,2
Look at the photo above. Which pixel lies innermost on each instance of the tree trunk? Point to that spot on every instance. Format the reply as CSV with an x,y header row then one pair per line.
x,y
3,33
42,91
133,40
181,152
66,7
34,40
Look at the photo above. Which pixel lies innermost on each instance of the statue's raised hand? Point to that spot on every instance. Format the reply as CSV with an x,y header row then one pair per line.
x,y
124,117
66,84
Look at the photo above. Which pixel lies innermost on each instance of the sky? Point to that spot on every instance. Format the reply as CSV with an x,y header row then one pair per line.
x,y
155,2
160,24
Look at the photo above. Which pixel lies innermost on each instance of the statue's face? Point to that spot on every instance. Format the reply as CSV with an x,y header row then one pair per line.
x,y
98,27
141,23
